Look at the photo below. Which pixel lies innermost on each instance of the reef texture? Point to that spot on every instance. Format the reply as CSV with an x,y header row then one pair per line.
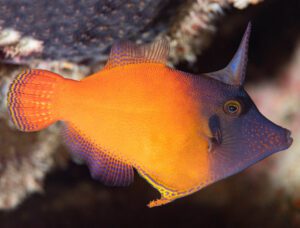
x,y
73,30
84,30
193,32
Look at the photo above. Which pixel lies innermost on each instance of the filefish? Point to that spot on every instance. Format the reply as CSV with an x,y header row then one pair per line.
x,y
179,131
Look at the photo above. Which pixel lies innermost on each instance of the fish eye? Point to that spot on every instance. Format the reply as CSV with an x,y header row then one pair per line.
x,y
233,107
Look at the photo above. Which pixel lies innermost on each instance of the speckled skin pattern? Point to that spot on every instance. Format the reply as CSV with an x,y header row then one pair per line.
x,y
80,30
245,139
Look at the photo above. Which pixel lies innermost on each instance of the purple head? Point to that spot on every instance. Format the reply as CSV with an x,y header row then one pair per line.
x,y
241,135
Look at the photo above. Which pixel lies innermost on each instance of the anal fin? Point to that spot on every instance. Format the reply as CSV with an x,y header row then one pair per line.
x,y
103,167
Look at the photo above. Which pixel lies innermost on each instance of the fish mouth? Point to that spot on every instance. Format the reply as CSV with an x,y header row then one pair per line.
x,y
289,138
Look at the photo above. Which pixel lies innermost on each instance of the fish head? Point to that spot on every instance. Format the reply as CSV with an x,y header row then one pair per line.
x,y
239,134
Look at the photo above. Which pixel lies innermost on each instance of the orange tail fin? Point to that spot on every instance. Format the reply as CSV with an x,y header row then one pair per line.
x,y
32,99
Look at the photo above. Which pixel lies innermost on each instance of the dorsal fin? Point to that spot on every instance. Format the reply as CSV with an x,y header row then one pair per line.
x,y
234,72
124,53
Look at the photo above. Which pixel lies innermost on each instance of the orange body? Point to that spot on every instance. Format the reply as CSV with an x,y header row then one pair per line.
x,y
144,115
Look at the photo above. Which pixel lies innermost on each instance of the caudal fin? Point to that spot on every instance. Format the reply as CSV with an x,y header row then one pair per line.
x,y
32,99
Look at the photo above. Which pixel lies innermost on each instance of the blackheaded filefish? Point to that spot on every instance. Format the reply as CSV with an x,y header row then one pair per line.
x,y
180,131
